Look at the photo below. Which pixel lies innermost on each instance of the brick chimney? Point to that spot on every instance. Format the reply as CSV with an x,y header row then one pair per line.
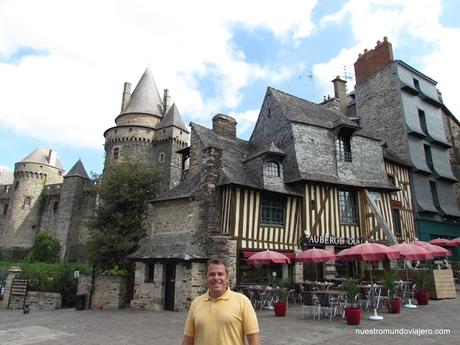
x,y
340,92
52,157
166,101
224,126
373,60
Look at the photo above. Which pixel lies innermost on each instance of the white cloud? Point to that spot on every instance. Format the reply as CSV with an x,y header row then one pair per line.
x,y
245,119
403,22
70,92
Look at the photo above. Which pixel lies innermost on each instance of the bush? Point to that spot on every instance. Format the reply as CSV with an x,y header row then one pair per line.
x,y
45,249
51,277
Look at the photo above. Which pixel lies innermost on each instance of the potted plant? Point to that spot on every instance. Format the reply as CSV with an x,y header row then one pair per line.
x,y
390,280
352,310
422,296
280,289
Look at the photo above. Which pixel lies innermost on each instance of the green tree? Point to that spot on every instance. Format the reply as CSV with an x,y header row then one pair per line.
x,y
45,249
119,221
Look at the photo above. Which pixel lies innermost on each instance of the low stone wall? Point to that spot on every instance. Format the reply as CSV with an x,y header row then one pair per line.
x,y
38,300
109,292
44,300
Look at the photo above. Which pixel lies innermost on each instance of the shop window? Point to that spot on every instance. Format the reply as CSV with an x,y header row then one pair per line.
x,y
272,168
149,271
272,210
348,207
343,147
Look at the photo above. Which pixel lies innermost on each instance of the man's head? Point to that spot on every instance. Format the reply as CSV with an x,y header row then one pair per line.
x,y
216,277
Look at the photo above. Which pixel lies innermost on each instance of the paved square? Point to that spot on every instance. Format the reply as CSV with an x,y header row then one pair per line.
x,y
123,327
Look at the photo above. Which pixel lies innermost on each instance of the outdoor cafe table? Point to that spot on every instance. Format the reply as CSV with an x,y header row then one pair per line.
x,y
319,285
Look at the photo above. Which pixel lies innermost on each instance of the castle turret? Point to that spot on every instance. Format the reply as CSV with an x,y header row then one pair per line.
x,y
42,167
171,136
74,206
141,112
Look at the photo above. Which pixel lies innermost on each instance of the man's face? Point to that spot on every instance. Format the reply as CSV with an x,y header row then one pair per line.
x,y
216,280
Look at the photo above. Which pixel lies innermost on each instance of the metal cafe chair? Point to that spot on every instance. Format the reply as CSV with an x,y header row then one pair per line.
x,y
310,302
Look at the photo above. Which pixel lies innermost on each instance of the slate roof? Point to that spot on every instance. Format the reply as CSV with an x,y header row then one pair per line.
x,y
78,170
145,97
40,155
270,149
300,110
159,246
173,118
184,189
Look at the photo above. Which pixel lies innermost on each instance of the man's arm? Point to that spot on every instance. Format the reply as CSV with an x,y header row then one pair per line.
x,y
190,340
253,339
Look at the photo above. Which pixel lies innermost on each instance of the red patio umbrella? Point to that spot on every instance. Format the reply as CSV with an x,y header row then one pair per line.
x,y
443,242
412,252
369,252
433,249
267,257
314,256
457,241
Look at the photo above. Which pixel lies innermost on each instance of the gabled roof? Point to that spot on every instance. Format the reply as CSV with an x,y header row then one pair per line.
x,y
173,118
41,156
78,170
145,97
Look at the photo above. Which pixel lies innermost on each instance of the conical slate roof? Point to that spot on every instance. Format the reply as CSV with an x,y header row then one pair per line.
x,y
173,118
41,156
78,170
145,97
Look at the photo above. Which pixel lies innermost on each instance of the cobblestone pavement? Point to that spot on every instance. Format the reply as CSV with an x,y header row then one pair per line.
x,y
122,327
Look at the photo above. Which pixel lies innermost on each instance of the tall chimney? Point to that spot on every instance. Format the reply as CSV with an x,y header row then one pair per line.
x,y
373,60
166,101
224,126
340,92
52,157
126,96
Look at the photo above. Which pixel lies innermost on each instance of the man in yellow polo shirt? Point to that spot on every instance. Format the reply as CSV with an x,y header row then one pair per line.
x,y
220,316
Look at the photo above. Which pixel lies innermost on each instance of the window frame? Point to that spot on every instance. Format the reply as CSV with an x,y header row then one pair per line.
x,y
149,272
343,147
272,168
349,205
272,210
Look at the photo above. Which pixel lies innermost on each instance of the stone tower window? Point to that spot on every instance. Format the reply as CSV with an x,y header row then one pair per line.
x,y
116,153
16,185
272,168
27,202
55,206
161,158
5,209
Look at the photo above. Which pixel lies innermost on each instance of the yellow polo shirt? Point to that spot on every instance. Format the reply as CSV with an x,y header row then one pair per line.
x,y
222,321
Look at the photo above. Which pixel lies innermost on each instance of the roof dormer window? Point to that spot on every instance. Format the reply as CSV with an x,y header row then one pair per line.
x,y
272,168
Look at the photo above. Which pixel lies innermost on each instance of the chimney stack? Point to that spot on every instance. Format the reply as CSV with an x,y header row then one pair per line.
x,y
126,96
224,126
340,92
373,60
52,157
166,101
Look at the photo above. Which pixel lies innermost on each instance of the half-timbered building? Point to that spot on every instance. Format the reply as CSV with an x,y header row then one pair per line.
x,y
308,176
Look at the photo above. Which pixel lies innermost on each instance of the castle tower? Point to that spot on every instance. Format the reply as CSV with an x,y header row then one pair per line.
x,y
171,135
74,204
39,169
140,113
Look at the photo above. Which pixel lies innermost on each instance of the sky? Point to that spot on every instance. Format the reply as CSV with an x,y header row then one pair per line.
x,y
63,63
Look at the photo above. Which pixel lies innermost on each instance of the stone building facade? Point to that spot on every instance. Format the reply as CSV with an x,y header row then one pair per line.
x,y
402,106
42,198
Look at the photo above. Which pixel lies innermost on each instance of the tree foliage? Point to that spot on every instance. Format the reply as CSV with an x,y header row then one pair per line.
x,y
45,249
119,221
